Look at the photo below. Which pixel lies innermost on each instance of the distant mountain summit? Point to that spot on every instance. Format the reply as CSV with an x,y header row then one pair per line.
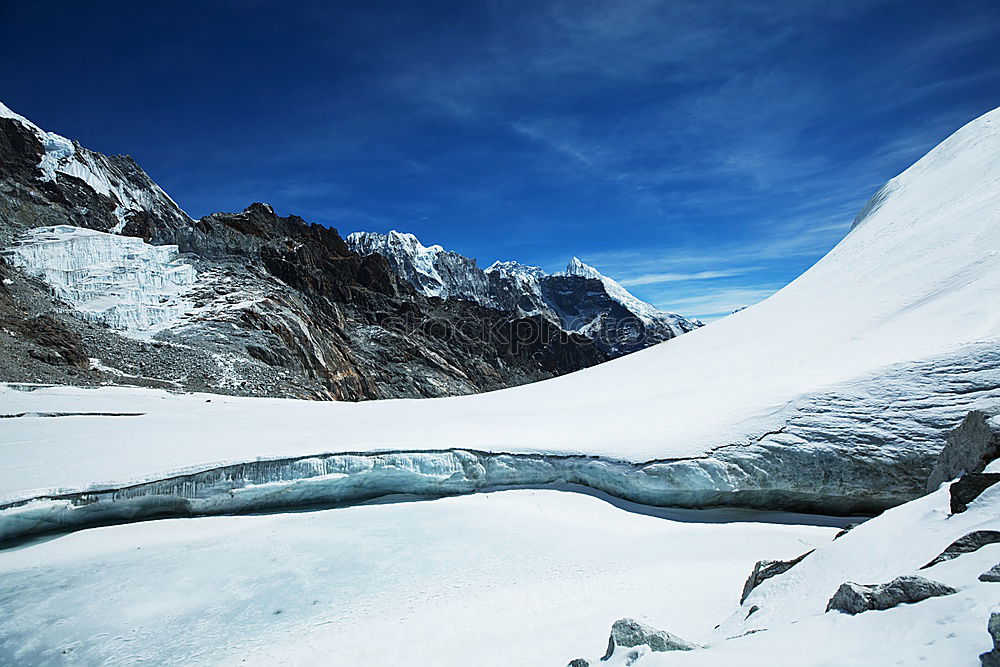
x,y
580,299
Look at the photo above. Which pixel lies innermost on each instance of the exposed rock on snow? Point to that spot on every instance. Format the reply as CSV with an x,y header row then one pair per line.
x,y
765,569
852,598
969,448
968,487
992,658
993,574
966,544
791,619
578,662
628,633
846,529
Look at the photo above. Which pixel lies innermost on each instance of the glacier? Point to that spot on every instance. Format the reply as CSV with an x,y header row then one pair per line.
x,y
843,382
533,575
120,281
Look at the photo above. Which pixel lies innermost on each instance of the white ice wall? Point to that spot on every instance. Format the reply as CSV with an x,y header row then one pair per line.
x,y
120,281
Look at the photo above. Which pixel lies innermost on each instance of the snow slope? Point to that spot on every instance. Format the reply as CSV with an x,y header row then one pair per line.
x,y
510,578
791,617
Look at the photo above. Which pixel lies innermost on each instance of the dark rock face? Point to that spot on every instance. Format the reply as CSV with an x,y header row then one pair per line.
x,y
969,448
852,598
968,488
576,300
765,569
578,662
845,530
992,574
629,633
966,544
992,658
281,307
30,198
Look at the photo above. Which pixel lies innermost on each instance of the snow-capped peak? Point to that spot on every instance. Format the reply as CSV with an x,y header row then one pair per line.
x,y
100,173
578,268
408,257
646,312
516,271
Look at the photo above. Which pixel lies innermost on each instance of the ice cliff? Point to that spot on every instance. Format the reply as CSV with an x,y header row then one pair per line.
x,y
120,281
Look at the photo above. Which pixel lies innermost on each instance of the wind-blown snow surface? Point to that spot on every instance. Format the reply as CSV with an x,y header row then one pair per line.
x,y
841,383
511,578
121,281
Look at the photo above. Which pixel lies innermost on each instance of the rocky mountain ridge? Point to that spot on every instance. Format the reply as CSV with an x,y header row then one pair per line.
x,y
579,299
269,305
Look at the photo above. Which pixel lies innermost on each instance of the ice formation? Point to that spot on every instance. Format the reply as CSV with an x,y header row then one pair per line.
x,y
120,281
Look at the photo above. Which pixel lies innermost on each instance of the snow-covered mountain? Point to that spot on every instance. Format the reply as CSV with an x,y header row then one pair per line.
x,y
104,279
106,193
579,299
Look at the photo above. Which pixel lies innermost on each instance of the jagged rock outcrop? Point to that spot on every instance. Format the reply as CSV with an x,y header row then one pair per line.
x,y
46,180
765,569
579,299
852,598
969,448
992,574
628,633
969,487
966,544
248,303
992,658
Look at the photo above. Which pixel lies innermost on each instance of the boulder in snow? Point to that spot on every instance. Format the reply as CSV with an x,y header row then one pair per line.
x,y
992,574
630,633
968,488
852,598
969,448
966,544
992,658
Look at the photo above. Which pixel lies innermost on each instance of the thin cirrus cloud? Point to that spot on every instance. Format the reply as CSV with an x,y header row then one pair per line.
x,y
657,278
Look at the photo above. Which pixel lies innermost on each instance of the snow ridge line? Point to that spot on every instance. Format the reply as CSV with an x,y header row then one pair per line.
x,y
345,478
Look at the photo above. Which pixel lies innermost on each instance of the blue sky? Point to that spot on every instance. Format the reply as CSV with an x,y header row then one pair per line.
x,y
704,153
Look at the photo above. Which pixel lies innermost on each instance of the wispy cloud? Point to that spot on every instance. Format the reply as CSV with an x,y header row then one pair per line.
x,y
717,303
657,278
